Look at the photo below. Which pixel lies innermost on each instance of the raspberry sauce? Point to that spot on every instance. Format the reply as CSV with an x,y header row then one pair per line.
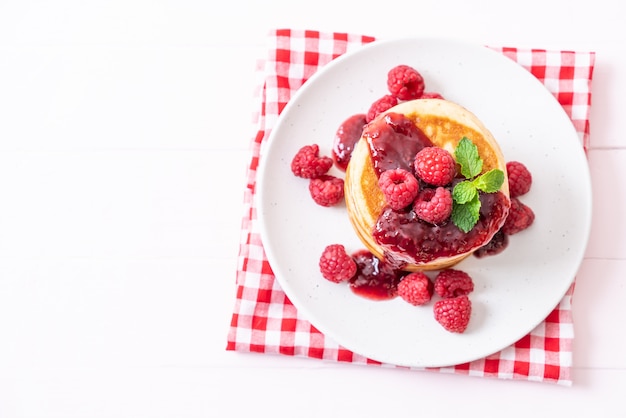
x,y
497,244
394,141
403,232
346,137
374,279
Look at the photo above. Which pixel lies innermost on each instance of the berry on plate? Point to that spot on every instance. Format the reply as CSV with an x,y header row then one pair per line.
x,y
519,218
336,265
453,313
326,190
405,82
416,288
308,164
520,178
451,283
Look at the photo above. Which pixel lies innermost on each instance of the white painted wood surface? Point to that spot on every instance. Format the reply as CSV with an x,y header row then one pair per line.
x,y
124,132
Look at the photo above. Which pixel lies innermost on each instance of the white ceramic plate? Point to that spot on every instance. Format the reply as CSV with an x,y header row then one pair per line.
x,y
515,290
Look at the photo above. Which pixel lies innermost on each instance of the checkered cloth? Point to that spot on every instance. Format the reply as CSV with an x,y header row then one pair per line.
x,y
265,321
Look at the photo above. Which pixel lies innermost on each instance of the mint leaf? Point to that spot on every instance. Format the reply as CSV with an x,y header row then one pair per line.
x,y
465,198
463,192
466,154
465,215
490,182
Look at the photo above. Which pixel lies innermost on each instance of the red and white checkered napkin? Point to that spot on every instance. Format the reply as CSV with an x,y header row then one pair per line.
x,y
265,321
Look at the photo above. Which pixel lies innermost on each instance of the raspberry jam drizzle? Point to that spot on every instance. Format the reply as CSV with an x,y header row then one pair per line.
x,y
346,137
394,140
497,244
402,232
374,279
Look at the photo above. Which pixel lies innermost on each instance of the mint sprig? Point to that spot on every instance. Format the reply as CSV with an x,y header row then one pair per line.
x,y
465,198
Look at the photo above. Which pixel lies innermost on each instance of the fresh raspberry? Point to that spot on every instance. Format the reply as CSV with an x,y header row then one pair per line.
x,y
433,205
379,106
336,264
435,166
431,95
451,283
416,288
308,164
405,83
326,190
520,178
453,313
519,218
399,187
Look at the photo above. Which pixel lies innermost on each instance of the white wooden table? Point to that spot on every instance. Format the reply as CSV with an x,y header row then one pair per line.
x,y
124,132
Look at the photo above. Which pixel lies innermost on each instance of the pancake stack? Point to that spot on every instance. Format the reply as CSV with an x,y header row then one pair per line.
x,y
444,123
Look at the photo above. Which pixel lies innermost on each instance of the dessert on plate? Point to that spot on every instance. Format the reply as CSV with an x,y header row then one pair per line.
x,y
456,207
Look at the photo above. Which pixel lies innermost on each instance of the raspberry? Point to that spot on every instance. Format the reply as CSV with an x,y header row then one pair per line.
x,y
379,106
453,313
520,178
308,164
519,218
326,190
336,264
451,283
431,95
399,187
433,205
435,166
416,288
405,83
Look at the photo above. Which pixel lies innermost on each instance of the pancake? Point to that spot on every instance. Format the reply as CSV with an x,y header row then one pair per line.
x,y
444,124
